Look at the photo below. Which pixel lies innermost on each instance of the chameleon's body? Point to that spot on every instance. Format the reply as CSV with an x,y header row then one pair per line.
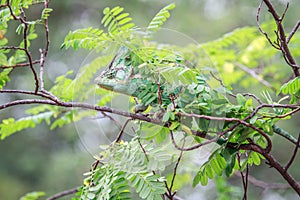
x,y
130,74
140,77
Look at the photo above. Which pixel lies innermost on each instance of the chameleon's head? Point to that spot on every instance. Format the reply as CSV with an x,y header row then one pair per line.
x,y
117,75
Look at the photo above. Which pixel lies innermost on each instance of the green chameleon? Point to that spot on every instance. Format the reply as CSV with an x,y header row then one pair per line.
x,y
142,73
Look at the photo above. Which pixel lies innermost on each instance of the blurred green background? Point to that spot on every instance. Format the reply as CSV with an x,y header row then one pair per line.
x,y
42,160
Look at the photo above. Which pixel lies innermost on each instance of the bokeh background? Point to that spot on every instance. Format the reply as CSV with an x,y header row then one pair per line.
x,y
47,160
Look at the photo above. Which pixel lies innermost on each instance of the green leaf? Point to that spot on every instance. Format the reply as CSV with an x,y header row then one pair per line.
x,y
32,196
221,161
230,166
292,88
240,99
162,135
196,179
253,119
174,125
4,77
160,18
209,171
116,21
87,38
255,158
214,164
10,126
145,192
166,117
203,179
46,13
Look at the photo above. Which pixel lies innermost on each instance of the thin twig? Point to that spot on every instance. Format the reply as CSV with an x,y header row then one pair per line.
x,y
284,12
12,47
112,119
243,176
272,162
42,61
294,154
122,130
255,75
253,96
193,147
281,37
143,149
63,193
46,25
294,30
3,5
27,52
239,121
218,79
264,185
284,115
20,64
260,29
39,94
175,171
43,54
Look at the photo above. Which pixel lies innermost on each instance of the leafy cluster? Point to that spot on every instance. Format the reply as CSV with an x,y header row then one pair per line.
x,y
125,166
65,88
224,160
292,88
7,57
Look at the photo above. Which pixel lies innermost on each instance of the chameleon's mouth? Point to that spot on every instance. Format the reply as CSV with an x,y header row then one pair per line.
x,y
106,86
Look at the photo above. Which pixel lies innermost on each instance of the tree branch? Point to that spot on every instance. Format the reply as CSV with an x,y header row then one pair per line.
x,y
63,193
122,130
27,52
294,154
294,30
264,185
255,75
20,65
273,163
281,36
175,172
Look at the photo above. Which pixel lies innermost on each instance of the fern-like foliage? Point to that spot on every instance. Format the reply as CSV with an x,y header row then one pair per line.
x,y
160,18
10,126
46,13
66,89
235,56
4,77
88,38
223,160
116,21
215,165
32,196
125,167
292,88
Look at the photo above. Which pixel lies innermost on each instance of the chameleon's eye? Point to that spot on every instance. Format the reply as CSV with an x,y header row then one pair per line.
x,y
120,75
127,60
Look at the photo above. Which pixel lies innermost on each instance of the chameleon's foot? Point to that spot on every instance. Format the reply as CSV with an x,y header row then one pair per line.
x,y
139,108
157,116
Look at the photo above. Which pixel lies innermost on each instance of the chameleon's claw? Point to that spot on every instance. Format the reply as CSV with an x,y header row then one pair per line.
x,y
140,108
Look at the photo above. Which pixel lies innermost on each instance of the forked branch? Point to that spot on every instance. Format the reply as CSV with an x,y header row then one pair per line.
x,y
282,42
